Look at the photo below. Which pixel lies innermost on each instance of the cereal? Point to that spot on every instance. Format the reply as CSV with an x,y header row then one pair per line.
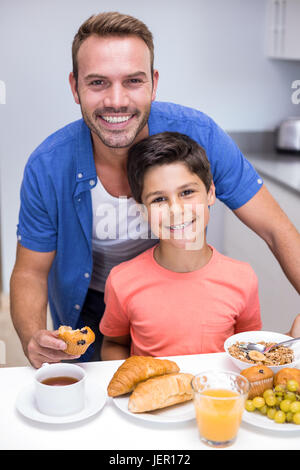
x,y
277,357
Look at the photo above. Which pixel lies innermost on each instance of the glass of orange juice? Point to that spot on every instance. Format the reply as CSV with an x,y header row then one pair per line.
x,y
219,399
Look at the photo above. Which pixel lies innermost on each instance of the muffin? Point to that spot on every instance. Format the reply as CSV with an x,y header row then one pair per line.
x,y
260,378
77,340
288,373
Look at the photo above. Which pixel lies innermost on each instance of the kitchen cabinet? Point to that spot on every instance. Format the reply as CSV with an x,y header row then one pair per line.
x,y
279,301
283,31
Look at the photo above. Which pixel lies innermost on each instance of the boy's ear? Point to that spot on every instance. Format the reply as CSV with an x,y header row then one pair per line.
x,y
211,195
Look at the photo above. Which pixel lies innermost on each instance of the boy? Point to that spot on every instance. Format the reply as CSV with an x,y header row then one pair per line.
x,y
180,296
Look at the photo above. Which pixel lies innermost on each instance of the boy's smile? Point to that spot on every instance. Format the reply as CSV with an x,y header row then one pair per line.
x,y
177,203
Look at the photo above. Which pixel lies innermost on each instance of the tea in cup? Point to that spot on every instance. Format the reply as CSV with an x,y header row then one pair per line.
x,y
60,389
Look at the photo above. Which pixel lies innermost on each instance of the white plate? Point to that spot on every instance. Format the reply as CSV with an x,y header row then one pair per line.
x,y
262,421
95,401
172,414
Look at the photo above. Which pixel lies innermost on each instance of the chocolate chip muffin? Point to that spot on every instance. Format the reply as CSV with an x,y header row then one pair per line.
x,y
260,378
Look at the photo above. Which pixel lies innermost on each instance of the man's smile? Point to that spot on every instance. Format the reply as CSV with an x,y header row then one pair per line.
x,y
115,121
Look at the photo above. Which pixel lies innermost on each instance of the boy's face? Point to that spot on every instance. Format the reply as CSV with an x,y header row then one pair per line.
x,y
177,204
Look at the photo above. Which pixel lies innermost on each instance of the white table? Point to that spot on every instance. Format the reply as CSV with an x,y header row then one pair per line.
x,y
110,428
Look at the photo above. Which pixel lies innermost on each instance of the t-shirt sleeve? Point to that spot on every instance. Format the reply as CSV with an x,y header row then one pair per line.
x,y
235,178
250,318
115,320
36,229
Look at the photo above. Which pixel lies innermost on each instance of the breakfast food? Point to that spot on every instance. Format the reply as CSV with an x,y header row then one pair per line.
x,y
286,374
135,369
160,392
280,403
77,340
276,357
260,378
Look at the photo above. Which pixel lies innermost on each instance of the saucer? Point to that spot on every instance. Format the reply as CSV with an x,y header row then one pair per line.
x,y
95,401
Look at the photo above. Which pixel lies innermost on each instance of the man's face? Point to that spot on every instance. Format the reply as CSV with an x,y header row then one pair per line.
x,y
115,88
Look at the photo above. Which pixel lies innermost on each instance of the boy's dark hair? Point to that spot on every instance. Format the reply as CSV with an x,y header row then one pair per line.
x,y
161,149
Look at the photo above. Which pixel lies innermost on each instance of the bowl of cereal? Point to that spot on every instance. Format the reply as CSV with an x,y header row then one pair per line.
x,y
276,359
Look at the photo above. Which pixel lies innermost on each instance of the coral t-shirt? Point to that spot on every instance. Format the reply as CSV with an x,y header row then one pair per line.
x,y
168,313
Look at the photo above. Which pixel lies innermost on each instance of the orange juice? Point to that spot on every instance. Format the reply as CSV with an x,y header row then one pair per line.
x,y
219,413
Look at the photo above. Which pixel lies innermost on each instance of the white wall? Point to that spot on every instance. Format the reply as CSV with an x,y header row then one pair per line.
x,y
210,54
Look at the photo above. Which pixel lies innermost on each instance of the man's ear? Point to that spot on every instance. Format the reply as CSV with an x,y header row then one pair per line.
x,y
211,195
154,82
73,85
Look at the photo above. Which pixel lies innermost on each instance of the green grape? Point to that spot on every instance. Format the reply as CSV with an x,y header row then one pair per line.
x,y
279,417
263,410
267,393
292,385
295,407
296,418
258,402
249,405
271,400
278,400
279,390
289,417
285,405
290,396
271,413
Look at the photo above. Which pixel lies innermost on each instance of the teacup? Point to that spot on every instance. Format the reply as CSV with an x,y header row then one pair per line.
x,y
55,398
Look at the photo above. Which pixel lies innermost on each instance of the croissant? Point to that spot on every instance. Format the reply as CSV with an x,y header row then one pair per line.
x,y
160,392
136,369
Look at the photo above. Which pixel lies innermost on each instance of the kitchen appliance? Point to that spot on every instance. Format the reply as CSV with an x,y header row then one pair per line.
x,y
288,136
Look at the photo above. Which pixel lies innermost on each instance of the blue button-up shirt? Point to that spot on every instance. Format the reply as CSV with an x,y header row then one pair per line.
x,y
56,208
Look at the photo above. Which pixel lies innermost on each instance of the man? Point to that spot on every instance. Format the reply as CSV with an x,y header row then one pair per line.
x,y
81,169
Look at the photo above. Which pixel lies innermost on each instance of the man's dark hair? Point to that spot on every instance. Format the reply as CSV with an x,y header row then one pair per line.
x,y
108,24
162,149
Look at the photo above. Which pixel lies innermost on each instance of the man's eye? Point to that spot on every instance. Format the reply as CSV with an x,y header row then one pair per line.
x,y
97,82
135,81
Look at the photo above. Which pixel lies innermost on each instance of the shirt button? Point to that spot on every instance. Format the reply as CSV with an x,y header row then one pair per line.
x,y
77,307
80,175
259,181
92,182
19,237
86,275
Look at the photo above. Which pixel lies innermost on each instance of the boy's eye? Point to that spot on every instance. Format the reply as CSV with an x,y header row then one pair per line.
x,y
158,199
186,192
